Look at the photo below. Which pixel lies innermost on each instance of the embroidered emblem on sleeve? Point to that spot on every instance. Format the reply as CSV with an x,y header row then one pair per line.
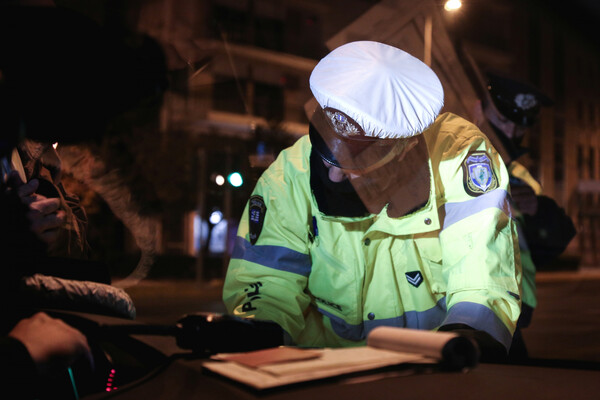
x,y
256,216
479,176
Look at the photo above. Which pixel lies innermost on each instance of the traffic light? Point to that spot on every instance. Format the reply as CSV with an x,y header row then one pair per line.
x,y
235,179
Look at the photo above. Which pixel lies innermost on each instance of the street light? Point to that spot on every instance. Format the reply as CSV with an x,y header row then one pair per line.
x,y
452,5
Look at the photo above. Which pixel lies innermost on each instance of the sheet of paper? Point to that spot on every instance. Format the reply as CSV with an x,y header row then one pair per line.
x,y
332,362
344,358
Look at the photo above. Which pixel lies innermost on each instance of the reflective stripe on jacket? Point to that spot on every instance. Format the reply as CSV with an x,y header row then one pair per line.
x,y
328,281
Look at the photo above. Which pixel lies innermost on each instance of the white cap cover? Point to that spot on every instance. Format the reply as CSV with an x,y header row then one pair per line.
x,y
388,92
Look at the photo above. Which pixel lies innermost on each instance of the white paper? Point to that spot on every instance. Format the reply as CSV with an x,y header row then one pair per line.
x,y
386,346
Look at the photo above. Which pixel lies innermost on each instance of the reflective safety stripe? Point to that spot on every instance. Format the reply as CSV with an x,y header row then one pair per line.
x,y
426,320
458,211
344,329
479,317
276,257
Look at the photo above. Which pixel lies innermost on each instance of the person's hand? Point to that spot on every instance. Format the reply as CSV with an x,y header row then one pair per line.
x,y
51,342
45,215
524,199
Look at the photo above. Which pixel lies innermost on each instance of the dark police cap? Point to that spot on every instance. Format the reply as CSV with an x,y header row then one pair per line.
x,y
517,101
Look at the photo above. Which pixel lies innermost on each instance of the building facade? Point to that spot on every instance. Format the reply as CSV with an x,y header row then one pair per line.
x,y
239,74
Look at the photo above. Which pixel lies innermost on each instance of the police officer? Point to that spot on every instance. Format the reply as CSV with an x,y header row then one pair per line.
x,y
512,108
385,214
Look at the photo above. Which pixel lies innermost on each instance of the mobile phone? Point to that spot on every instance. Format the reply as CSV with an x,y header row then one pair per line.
x,y
6,168
12,164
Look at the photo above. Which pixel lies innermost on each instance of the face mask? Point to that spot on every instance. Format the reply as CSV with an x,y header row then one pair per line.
x,y
333,198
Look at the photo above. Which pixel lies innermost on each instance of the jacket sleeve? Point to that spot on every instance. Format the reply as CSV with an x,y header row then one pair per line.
x,y
480,248
270,264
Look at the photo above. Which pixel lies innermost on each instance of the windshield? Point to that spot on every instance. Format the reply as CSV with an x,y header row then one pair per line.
x,y
160,120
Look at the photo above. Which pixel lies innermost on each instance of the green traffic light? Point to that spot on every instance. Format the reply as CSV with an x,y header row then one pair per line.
x,y
235,179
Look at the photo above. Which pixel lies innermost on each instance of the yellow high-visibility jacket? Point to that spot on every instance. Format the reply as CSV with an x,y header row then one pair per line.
x,y
327,281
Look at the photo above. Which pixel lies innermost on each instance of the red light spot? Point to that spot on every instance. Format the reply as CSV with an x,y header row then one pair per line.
x,y
108,389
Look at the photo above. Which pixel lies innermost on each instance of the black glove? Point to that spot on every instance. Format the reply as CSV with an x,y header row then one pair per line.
x,y
490,349
548,232
210,333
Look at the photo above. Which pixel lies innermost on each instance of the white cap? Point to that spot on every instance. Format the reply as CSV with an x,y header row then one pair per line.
x,y
388,92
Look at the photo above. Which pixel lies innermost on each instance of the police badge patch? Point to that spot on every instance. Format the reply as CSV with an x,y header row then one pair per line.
x,y
478,174
256,216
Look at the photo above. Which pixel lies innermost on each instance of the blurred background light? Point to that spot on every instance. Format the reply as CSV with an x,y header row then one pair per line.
x,y
452,5
235,179
215,217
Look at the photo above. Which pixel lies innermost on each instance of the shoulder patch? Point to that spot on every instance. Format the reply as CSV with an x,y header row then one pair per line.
x,y
256,216
478,174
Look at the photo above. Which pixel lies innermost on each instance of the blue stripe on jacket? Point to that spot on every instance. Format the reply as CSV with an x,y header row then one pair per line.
x,y
276,257
426,320
475,315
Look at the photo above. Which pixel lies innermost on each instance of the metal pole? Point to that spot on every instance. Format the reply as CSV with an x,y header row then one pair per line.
x,y
227,212
428,39
201,207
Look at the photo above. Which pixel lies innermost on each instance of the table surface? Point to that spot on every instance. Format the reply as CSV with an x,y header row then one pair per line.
x,y
566,326
185,379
